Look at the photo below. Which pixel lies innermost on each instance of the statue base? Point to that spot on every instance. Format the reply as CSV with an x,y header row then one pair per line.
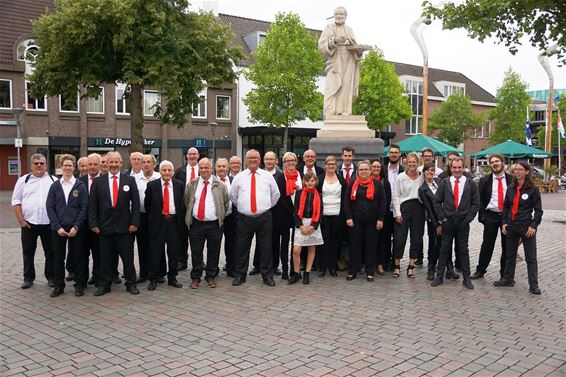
x,y
365,148
340,126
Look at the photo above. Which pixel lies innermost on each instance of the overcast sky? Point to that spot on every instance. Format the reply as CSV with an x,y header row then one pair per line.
x,y
386,24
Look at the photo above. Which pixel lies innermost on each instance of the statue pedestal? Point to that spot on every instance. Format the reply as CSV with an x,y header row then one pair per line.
x,y
346,130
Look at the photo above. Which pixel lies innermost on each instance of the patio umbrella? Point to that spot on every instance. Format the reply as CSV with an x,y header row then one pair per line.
x,y
512,149
418,142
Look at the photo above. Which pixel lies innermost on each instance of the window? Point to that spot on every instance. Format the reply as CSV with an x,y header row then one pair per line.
x,y
151,101
478,133
222,107
199,108
5,94
69,104
122,103
27,50
451,89
33,103
414,91
95,105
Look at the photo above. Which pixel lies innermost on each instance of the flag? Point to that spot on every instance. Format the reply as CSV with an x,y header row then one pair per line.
x,y
560,126
528,130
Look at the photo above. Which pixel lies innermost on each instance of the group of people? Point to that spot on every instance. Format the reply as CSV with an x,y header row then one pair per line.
x,y
363,213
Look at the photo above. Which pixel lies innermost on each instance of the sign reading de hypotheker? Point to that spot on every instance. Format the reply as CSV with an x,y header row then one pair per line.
x,y
121,142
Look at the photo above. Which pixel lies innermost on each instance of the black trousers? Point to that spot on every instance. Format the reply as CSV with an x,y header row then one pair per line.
x,y
514,234
202,232
70,260
29,245
168,234
458,231
91,245
184,251
230,224
385,239
142,240
413,214
434,241
276,245
363,238
112,246
280,248
491,228
260,226
332,228
80,255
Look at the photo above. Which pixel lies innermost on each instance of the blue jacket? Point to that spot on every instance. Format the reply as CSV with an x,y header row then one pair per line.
x,y
66,215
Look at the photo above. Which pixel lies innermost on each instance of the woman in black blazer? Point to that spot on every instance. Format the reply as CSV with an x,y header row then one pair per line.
x,y
332,188
379,173
426,195
67,203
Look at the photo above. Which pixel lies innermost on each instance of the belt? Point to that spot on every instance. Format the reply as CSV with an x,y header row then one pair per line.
x,y
169,218
253,216
195,220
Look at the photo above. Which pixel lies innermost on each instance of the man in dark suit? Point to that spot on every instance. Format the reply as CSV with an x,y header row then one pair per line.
x,y
456,203
492,189
114,214
166,218
394,168
309,159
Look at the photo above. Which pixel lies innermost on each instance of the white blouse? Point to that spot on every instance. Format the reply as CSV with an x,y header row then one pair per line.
x,y
331,198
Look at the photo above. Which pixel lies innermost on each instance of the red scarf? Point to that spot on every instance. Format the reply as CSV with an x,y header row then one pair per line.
x,y
377,177
315,204
370,188
515,207
291,182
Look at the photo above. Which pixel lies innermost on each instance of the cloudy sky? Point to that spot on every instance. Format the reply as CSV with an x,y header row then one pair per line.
x,y
386,24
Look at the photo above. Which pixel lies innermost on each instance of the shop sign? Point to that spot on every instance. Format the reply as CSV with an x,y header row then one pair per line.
x,y
200,142
120,142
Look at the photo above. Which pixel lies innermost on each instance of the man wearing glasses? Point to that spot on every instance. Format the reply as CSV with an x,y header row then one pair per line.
x,y
29,205
428,156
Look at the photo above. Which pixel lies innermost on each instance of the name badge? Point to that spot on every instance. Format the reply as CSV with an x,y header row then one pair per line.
x,y
126,188
525,196
76,193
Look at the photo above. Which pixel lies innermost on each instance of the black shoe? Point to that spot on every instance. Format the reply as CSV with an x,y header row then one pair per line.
x,y
230,274
306,277
254,271
476,275
321,273
295,277
133,290
51,283
152,285
26,284
285,275
224,267
438,281
175,283
160,280
100,291
181,266
351,277
419,262
70,276
369,278
268,280
535,290
468,284
277,272
430,275
56,292
141,279
79,291
117,280
451,274
238,280
503,283
332,273
91,281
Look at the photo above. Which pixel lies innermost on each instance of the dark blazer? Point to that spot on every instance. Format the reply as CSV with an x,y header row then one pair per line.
x,y
484,190
181,173
111,220
444,202
317,170
153,204
362,209
352,173
427,198
529,202
283,211
70,214
343,193
387,187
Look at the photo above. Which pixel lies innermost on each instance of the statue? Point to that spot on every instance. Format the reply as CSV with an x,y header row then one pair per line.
x,y
338,45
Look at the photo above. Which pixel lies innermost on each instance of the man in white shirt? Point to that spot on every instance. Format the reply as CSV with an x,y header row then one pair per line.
x,y
82,166
254,192
428,156
309,159
348,169
235,164
135,164
270,162
29,205
221,170
394,168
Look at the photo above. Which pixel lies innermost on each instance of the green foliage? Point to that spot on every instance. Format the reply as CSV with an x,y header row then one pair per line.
x,y
507,21
541,134
285,71
511,110
454,118
380,97
143,43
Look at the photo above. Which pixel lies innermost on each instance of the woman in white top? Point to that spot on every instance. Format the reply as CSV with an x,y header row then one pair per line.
x,y
332,187
409,214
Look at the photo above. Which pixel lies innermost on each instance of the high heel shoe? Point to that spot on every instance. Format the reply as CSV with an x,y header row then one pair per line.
x,y
396,270
410,272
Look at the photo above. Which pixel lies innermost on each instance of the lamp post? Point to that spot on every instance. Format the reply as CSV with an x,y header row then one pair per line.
x,y
18,142
417,32
213,126
543,60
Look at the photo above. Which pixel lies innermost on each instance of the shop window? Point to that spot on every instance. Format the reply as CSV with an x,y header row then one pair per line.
x,y
5,94
151,102
95,105
34,103
223,107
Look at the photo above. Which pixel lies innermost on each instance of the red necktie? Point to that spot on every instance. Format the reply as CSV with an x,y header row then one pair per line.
x,y
456,192
253,203
309,170
201,202
165,199
347,175
192,173
499,193
223,179
515,207
114,192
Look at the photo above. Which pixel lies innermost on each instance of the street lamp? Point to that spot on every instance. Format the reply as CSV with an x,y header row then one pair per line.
x,y
543,60
213,126
417,32
18,142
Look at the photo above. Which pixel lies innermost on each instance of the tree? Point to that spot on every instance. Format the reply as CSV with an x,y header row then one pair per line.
x,y
286,67
511,110
454,118
508,21
380,97
541,134
141,43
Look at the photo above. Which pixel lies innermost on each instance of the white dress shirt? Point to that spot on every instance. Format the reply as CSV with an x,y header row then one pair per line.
x,y
406,189
209,207
331,198
493,201
343,170
228,186
392,178
461,183
67,186
32,196
189,170
172,209
267,192
111,185
141,182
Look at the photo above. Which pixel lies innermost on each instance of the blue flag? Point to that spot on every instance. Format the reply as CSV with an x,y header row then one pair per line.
x,y
528,130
